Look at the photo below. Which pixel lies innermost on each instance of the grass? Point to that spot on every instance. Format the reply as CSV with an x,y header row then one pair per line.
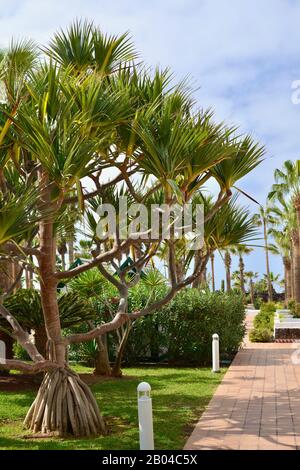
x,y
179,398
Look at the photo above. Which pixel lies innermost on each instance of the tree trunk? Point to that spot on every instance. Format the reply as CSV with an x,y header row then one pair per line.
x,y
296,263
197,281
287,278
102,366
64,403
252,291
213,280
242,275
270,287
71,252
15,273
292,271
40,338
228,273
116,371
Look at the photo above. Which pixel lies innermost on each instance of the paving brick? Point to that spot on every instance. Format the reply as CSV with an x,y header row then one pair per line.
x,y
257,405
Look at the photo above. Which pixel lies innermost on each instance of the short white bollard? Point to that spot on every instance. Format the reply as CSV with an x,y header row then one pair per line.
x,y
215,353
145,416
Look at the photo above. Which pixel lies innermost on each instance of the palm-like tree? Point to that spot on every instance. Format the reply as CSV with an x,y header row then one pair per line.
x,y
241,251
227,263
263,218
71,117
282,247
275,278
287,186
251,276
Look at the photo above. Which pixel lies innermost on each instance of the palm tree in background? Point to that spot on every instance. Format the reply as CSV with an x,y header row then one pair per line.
x,y
282,247
251,276
227,263
263,218
287,190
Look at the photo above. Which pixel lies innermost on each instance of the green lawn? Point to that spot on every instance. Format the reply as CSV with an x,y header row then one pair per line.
x,y
179,397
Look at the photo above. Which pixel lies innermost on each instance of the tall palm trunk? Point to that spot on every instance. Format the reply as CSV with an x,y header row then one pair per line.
x,y
227,261
252,291
292,271
296,265
242,275
269,283
287,278
213,279
64,403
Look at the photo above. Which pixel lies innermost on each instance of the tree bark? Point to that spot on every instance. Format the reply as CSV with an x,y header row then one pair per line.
x,y
292,270
213,279
287,278
270,287
71,252
64,404
197,281
252,291
227,261
116,370
102,365
296,264
242,275
40,338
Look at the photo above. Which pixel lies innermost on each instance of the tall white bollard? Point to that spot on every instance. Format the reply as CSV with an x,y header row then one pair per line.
x,y
145,416
215,353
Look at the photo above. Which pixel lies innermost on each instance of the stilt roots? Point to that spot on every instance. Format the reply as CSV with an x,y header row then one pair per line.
x,y
64,405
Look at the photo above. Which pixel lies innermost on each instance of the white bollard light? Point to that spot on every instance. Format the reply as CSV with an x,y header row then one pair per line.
x,y
145,416
215,353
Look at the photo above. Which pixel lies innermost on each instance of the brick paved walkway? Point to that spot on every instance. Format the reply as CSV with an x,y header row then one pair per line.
x,y
257,405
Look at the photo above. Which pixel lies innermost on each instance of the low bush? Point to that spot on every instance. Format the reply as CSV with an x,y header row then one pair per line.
x,y
182,331
264,324
261,335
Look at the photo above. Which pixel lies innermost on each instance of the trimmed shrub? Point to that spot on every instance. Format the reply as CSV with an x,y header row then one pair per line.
x,y
193,317
264,324
261,335
182,331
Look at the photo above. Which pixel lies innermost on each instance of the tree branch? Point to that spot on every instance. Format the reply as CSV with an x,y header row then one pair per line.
x,y
219,203
27,367
101,258
21,335
25,250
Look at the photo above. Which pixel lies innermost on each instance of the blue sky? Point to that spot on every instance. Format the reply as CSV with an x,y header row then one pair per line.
x,y
242,54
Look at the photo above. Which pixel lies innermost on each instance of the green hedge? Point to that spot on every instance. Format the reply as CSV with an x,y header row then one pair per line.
x,y
182,331
264,324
